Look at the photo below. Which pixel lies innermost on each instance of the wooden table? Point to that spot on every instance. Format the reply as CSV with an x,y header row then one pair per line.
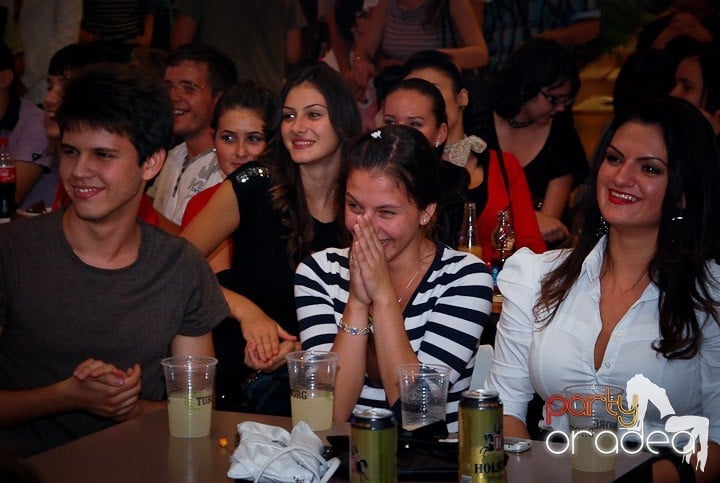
x,y
141,450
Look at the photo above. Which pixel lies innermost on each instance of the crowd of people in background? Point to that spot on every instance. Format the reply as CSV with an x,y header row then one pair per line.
x,y
319,155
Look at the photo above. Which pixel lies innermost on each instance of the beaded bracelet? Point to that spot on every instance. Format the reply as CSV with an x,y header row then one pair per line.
x,y
355,330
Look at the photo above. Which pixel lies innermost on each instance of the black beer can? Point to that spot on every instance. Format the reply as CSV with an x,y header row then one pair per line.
x,y
373,446
481,453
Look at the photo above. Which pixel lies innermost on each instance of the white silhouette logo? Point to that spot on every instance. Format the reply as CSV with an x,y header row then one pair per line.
x,y
639,392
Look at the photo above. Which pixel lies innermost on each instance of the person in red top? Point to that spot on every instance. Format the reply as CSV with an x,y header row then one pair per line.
x,y
242,128
496,180
418,103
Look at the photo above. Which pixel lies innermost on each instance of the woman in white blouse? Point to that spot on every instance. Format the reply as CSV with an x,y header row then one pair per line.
x,y
638,293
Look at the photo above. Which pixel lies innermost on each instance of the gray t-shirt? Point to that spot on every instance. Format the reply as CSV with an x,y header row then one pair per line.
x,y
56,311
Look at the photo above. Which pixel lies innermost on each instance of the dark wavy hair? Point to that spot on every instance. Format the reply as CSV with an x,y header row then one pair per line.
x,y
538,64
252,95
288,192
685,246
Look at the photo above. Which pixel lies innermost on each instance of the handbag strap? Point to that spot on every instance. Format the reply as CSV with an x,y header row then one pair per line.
x,y
503,170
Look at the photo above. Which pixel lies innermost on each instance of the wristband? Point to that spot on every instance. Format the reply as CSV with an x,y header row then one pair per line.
x,y
355,330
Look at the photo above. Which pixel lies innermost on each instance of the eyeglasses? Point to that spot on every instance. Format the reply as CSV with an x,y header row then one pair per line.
x,y
185,87
557,100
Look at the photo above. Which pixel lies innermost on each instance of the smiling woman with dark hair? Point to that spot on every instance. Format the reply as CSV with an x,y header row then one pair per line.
x,y
277,210
395,297
638,293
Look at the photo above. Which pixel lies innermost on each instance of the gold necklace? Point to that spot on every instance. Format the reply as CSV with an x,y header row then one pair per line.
x,y
412,279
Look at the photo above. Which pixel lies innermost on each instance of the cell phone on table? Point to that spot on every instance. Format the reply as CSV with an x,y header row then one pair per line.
x,y
516,445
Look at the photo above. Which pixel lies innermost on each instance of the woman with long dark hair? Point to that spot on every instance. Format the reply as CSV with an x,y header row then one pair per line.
x,y
280,209
639,291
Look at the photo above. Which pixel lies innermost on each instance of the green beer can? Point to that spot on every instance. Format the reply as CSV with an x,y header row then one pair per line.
x,y
481,453
373,446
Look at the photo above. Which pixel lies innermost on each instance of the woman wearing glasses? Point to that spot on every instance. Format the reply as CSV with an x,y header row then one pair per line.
x,y
530,117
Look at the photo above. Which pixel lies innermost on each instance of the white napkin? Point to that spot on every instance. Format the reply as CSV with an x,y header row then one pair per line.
x,y
271,454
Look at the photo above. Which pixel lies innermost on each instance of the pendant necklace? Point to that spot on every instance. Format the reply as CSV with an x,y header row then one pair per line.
x,y
412,279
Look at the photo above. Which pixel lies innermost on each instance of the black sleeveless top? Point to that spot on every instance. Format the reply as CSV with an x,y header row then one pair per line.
x,y
261,268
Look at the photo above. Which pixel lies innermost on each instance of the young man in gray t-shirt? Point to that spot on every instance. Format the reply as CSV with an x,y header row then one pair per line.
x,y
91,298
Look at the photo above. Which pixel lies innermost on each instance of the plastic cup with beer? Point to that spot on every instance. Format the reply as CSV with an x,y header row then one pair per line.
x,y
593,427
423,394
312,383
189,382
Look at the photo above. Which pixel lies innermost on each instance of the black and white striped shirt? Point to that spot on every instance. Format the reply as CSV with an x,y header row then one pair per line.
x,y
443,319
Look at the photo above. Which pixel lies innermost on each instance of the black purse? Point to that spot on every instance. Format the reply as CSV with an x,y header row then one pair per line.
x,y
267,393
